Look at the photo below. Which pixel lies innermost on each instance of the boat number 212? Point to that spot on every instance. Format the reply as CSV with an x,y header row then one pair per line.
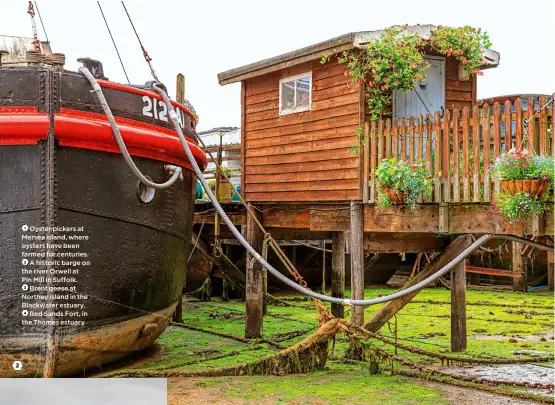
x,y
157,109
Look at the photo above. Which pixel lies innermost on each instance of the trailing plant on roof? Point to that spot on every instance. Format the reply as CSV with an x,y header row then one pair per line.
x,y
395,61
467,44
524,179
402,182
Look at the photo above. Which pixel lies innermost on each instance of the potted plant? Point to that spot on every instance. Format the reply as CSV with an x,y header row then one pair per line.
x,y
524,179
521,171
401,182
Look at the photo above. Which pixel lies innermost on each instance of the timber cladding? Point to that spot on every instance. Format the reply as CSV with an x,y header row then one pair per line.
x,y
303,156
458,93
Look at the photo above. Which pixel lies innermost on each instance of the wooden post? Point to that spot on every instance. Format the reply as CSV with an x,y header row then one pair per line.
x,y
458,308
550,269
338,272
518,266
357,261
254,289
387,312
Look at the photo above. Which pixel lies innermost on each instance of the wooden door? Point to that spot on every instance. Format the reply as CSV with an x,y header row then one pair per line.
x,y
427,96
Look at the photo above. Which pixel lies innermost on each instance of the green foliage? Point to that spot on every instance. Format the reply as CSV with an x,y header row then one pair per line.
x,y
466,44
522,165
395,61
391,62
412,179
519,206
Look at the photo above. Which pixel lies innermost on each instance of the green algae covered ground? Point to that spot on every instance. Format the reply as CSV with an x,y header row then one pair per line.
x,y
500,324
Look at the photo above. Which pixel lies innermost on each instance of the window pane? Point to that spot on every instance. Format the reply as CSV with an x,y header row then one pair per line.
x,y
287,95
303,92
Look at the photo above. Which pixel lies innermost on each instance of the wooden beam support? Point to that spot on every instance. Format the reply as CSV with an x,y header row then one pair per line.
x,y
519,283
338,272
458,308
357,261
386,312
254,289
550,271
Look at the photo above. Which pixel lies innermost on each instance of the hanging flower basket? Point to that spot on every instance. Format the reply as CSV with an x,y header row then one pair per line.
x,y
535,187
395,196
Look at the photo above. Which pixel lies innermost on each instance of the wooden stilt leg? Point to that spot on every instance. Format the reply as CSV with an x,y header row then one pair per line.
x,y
550,269
518,266
458,308
357,261
254,290
338,272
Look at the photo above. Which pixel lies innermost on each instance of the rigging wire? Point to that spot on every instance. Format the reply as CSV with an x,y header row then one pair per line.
x,y
113,41
148,59
41,23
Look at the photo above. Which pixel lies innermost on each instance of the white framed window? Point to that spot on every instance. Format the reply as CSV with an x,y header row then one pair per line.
x,y
295,94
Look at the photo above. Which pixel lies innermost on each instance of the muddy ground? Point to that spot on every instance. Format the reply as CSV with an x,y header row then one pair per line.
x,y
501,325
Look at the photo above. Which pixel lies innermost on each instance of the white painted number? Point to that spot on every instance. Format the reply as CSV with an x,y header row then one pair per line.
x,y
160,111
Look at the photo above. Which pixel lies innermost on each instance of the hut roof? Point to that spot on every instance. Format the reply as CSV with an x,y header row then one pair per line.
x,y
334,45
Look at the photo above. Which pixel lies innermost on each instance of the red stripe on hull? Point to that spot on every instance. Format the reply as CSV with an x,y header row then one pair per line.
x,y
22,125
87,130
80,129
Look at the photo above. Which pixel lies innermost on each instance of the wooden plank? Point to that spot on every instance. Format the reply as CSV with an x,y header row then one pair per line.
x,y
438,156
331,133
261,98
395,138
458,308
400,219
485,143
331,195
508,127
497,129
303,117
266,105
386,312
476,154
380,141
429,137
291,218
338,272
465,155
519,283
334,102
420,136
458,85
492,272
342,151
530,127
385,242
335,91
411,140
452,95
310,146
456,155
328,104
542,127
337,174
322,165
518,124
254,279
446,161
403,139
357,261
324,185
473,218
242,130
301,128
366,163
387,137
373,160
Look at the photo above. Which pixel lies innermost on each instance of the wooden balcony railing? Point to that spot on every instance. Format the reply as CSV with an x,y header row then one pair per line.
x,y
459,148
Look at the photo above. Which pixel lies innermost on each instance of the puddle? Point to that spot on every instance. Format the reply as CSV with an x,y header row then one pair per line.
x,y
527,373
